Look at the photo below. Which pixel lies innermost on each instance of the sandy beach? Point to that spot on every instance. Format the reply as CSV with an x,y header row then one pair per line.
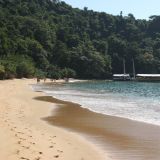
x,y
35,126
25,135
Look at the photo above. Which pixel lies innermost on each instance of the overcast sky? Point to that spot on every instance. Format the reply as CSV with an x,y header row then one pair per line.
x,y
141,9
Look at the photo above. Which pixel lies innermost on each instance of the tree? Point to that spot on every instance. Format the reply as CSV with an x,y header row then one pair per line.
x,y
40,74
18,66
25,70
68,73
154,23
2,71
54,72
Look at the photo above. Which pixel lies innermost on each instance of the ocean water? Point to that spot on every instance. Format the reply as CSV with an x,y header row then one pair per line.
x,y
138,101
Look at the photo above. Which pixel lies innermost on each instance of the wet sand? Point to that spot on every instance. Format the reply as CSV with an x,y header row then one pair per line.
x,y
122,138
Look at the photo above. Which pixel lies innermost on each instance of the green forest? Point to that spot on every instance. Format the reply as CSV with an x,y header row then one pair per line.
x,y
50,38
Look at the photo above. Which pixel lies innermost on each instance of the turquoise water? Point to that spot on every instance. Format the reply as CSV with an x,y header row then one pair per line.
x,y
134,100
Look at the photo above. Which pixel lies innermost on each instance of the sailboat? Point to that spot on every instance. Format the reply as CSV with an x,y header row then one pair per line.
x,y
124,76
134,71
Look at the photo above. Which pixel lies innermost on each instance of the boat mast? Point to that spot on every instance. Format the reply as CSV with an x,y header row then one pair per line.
x,y
124,67
134,72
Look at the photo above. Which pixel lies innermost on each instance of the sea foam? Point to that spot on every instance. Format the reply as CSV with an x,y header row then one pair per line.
x,y
132,100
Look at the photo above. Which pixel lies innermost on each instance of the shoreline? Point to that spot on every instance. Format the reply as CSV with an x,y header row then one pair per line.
x,y
61,83
24,135
122,138
57,101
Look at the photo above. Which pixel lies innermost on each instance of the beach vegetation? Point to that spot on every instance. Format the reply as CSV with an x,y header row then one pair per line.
x,y
25,69
18,66
54,72
40,74
68,73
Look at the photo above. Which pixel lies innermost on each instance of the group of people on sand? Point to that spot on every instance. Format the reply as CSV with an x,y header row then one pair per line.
x,y
39,79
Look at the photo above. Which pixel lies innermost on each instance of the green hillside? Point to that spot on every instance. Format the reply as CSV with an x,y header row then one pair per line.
x,y
44,37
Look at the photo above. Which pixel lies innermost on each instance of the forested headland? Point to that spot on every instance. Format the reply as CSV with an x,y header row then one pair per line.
x,y
50,38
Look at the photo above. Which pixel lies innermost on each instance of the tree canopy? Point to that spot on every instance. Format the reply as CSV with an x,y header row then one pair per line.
x,y
51,37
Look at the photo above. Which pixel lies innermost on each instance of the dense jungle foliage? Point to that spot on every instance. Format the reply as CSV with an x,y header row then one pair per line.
x,y
50,38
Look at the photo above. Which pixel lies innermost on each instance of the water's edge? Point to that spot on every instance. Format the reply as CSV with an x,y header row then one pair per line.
x,y
121,138
136,108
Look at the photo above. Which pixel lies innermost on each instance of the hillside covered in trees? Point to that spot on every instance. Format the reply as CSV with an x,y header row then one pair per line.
x,y
49,37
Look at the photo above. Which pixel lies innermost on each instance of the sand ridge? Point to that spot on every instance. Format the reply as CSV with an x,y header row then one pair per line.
x,y
23,135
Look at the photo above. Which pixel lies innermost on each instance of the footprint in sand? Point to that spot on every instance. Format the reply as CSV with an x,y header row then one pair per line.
x,y
32,143
59,151
20,132
12,129
29,136
18,151
16,135
26,147
40,152
56,156
52,136
24,158
53,143
23,139
38,158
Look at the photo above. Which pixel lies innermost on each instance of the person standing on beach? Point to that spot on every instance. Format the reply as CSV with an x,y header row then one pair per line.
x,y
38,80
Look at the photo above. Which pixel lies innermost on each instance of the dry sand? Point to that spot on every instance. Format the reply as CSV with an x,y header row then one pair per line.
x,y
25,136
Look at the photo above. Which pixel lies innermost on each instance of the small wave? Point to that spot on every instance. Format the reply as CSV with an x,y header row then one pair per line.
x,y
127,105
